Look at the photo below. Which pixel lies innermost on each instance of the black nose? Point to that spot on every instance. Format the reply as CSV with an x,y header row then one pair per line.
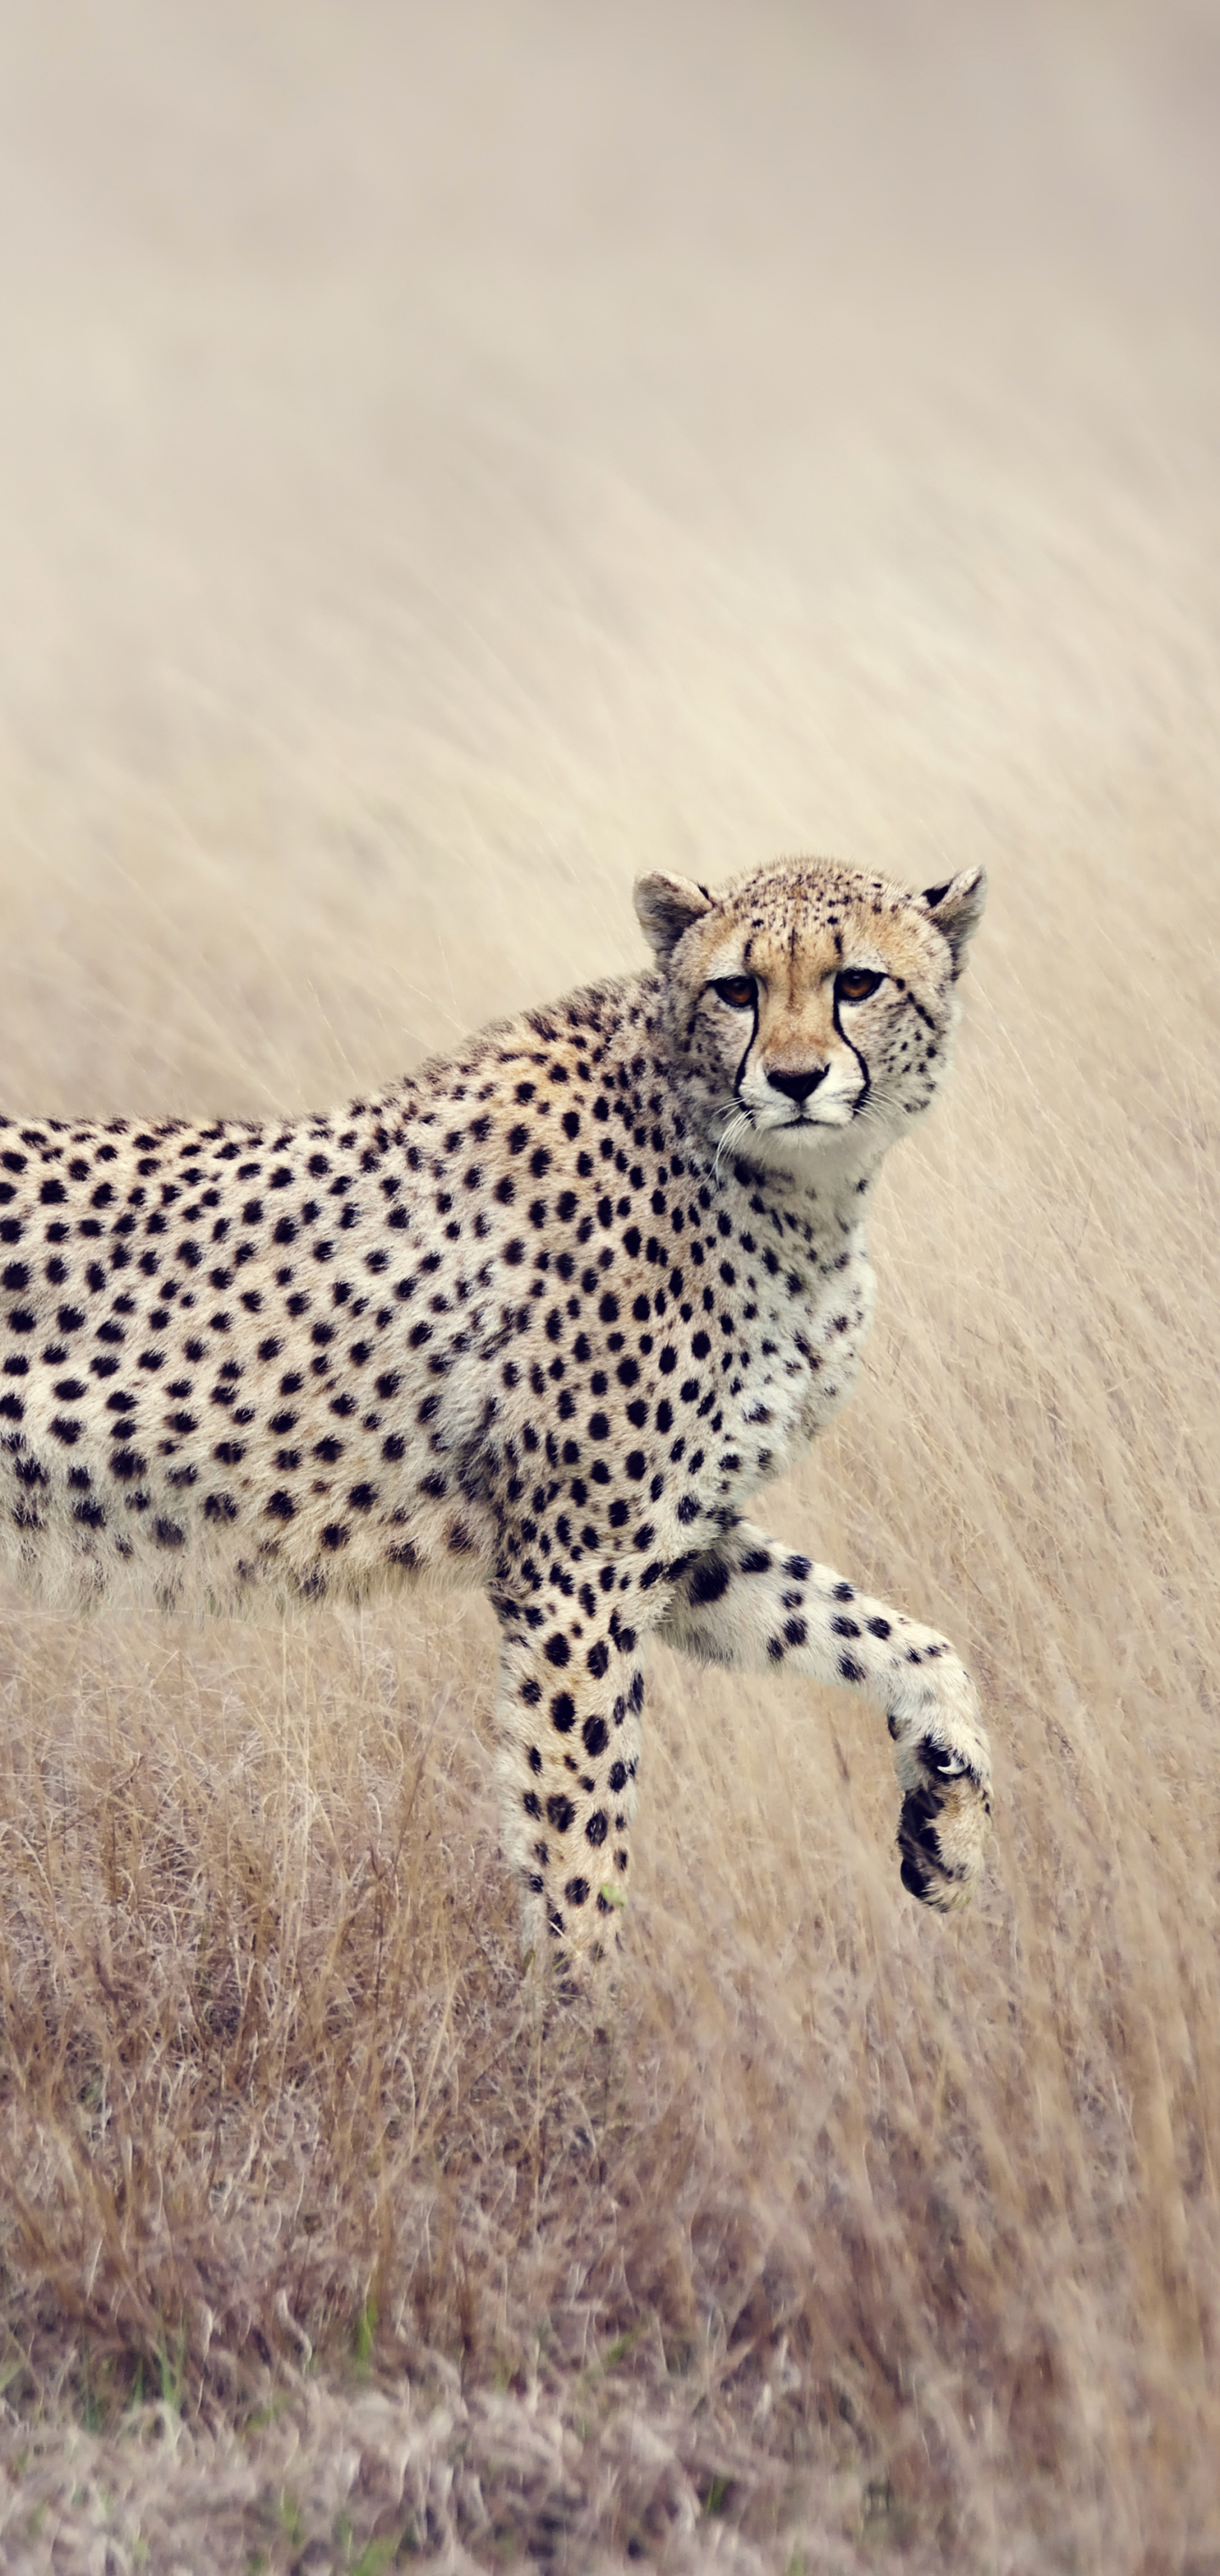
x,y
798,1085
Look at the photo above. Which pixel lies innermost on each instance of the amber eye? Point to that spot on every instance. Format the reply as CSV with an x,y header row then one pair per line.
x,y
856,983
738,991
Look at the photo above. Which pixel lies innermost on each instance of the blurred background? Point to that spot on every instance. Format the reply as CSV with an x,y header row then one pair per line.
x,y
452,459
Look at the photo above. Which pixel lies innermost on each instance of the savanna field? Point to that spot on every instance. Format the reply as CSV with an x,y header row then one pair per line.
x,y
451,462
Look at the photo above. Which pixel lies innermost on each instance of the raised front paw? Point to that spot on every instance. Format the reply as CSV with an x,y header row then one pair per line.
x,y
944,1771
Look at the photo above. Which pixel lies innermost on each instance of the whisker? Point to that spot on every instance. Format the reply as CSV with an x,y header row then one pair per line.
x,y
738,1123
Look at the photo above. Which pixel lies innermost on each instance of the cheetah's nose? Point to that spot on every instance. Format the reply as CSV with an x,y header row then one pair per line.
x,y
798,1085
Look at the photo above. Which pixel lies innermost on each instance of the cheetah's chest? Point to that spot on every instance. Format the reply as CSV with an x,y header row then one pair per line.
x,y
794,1376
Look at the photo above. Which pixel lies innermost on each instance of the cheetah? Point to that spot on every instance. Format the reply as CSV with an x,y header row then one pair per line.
x,y
540,1318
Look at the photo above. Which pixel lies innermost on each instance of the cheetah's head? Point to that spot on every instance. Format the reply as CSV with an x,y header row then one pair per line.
x,y
808,999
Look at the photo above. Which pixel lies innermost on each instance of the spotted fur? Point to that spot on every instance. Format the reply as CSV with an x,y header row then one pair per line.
x,y
540,1318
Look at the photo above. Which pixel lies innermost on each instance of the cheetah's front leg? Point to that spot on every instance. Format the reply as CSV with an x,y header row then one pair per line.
x,y
751,1603
567,1752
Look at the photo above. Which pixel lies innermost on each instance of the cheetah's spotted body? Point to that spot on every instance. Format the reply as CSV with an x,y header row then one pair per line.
x,y
544,1317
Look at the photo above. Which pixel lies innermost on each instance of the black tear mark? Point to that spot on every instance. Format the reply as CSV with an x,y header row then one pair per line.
x,y
858,1103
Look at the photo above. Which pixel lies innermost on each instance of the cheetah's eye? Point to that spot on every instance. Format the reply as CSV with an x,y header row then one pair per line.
x,y
856,984
737,990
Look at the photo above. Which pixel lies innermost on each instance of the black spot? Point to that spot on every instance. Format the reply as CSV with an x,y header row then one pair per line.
x,y
336,1534
598,1658
168,1534
576,1891
559,1812
127,1465
709,1580
16,1276
595,1735
557,1649
850,1672
363,1497
563,1713
597,1828
219,1507
280,1506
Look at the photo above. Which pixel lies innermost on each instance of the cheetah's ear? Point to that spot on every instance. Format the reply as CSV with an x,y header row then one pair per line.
x,y
666,906
957,908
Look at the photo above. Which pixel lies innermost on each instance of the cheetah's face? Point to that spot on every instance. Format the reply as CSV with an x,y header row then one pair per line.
x,y
809,999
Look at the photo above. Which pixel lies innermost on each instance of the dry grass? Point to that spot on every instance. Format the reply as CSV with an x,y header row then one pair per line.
x,y
457,459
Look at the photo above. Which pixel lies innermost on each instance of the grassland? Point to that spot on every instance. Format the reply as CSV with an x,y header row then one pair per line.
x,y
449,464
